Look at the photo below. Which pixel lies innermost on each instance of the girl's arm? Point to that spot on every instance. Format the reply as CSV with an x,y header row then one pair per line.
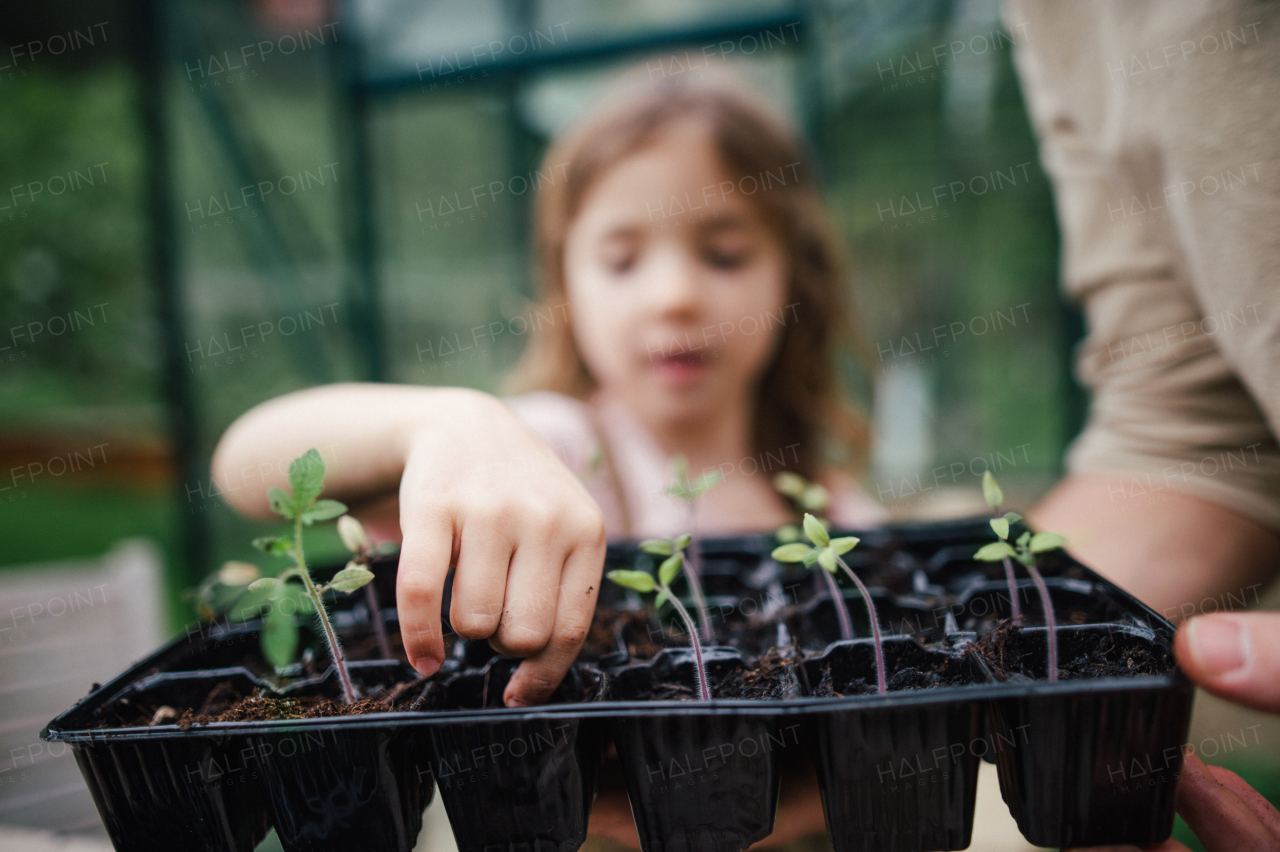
x,y
477,490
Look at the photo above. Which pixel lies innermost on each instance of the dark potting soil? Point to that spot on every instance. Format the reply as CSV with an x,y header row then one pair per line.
x,y
771,677
225,703
1010,650
636,627
902,679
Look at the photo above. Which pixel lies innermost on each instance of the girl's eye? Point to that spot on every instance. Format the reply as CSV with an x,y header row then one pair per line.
x,y
620,263
725,257
619,256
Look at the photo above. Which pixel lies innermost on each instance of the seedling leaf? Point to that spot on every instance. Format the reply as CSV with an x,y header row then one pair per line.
x,y
322,510
789,484
279,637
682,541
264,583
815,498
234,573
816,531
660,600
705,483
794,552
1042,541
656,546
811,557
669,569
827,559
282,503
1012,517
638,580
350,578
306,477
844,544
1024,538
991,491
994,552
274,544
1001,526
352,533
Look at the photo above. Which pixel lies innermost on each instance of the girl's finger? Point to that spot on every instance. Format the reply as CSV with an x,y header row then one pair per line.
x,y
538,676
425,554
1252,799
1216,815
1234,655
480,580
529,613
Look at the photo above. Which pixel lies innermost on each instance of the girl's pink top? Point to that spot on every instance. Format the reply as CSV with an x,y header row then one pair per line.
x,y
644,469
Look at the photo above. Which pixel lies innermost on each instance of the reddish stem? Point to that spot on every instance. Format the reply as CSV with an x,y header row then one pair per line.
x,y
379,626
1049,620
1013,586
704,690
837,600
693,566
331,637
875,627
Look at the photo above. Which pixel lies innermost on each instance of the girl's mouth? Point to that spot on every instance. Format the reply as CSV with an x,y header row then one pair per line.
x,y
684,368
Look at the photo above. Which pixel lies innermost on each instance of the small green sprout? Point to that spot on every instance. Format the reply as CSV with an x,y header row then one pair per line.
x,y
826,552
995,498
691,491
644,583
805,496
1024,549
301,504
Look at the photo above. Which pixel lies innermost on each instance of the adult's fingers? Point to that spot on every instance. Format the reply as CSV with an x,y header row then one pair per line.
x,y
538,676
425,554
1220,820
1234,655
484,552
1253,800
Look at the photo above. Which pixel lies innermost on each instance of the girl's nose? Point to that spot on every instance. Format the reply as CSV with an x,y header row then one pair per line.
x,y
676,287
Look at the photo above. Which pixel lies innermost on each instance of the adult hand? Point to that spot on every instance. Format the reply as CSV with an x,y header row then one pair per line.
x,y
1235,656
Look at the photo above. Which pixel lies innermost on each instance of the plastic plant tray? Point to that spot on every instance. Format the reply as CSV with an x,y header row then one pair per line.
x,y
897,771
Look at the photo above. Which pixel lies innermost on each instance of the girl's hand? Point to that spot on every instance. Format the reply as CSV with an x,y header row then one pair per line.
x,y
481,492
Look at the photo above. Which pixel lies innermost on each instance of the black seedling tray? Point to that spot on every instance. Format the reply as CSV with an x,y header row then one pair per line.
x,y
1092,759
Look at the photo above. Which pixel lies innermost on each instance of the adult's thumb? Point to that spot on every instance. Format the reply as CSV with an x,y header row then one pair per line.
x,y
1234,655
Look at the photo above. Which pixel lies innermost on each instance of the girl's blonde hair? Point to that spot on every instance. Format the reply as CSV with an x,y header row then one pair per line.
x,y
800,399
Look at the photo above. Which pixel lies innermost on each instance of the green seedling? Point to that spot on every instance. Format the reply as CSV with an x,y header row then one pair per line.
x,y
994,496
827,552
804,496
301,505
1024,549
691,491
644,583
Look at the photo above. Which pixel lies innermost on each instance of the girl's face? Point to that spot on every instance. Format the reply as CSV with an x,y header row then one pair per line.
x,y
677,286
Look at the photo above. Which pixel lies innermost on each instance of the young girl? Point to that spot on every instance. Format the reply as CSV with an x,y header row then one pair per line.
x,y
703,288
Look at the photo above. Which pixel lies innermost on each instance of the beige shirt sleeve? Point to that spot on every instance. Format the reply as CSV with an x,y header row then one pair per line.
x,y
1159,124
